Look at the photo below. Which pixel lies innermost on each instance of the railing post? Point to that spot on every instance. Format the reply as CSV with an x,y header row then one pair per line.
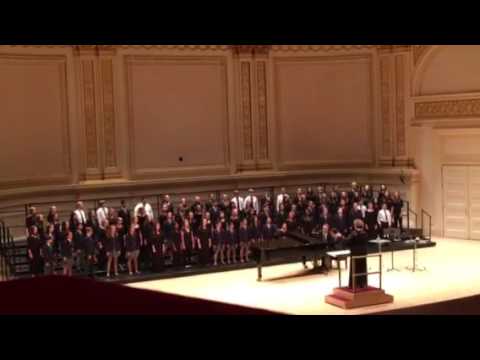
x,y
421,223
408,215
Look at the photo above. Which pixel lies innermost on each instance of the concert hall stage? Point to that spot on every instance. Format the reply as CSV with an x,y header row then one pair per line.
x,y
452,272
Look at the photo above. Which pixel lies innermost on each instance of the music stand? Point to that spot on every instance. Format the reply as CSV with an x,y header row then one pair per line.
x,y
393,234
415,267
379,242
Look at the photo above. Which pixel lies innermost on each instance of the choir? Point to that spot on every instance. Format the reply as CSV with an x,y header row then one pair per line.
x,y
204,233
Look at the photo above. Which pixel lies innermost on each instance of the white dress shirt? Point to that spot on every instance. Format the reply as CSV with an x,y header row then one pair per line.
x,y
239,202
253,200
80,216
148,210
102,215
280,199
384,216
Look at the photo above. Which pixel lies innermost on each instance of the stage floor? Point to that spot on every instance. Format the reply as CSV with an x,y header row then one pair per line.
x,y
452,272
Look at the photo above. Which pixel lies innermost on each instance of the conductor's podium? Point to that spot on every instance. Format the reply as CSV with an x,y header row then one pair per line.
x,y
346,298
351,298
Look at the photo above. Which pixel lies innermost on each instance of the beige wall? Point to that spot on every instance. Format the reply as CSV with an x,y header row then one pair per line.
x,y
36,118
118,118
445,117
178,115
324,111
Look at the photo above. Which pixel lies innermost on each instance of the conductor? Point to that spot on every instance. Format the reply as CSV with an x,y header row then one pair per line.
x,y
358,243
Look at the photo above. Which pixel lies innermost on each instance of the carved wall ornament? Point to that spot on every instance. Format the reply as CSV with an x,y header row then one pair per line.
x,y
108,113
385,107
262,110
400,105
246,95
90,113
418,52
448,109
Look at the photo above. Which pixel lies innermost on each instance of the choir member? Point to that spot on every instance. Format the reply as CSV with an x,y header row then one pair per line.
x,y
31,219
238,201
183,206
166,202
51,214
179,246
243,238
396,206
102,213
90,246
156,244
291,221
254,230
355,213
205,237
79,249
34,245
112,247
307,221
92,220
281,199
148,210
251,201
132,245
49,257
371,221
79,216
188,241
269,231
384,219
310,195
367,193
231,244
219,244
50,233
280,215
67,254
40,224
210,202
124,213
267,202
341,221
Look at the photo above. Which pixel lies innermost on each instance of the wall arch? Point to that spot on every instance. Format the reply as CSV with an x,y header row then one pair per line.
x,y
447,70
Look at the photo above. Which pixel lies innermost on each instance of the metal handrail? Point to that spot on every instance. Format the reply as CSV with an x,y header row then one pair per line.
x,y
429,225
379,272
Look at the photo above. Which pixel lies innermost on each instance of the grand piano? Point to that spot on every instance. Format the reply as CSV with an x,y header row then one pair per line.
x,y
293,246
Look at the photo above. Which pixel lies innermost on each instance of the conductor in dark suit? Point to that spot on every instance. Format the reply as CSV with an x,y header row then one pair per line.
x,y
357,242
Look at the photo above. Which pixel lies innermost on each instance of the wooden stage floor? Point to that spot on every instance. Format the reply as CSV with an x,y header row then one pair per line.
x,y
452,272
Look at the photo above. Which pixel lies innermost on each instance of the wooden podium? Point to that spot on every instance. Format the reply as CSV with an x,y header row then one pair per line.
x,y
351,298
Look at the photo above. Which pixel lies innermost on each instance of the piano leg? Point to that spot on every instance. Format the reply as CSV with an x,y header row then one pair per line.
x,y
259,269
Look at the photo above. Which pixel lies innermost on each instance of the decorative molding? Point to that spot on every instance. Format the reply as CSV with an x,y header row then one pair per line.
x,y
385,106
325,48
88,72
263,153
109,134
177,47
465,108
252,50
246,101
418,52
400,106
